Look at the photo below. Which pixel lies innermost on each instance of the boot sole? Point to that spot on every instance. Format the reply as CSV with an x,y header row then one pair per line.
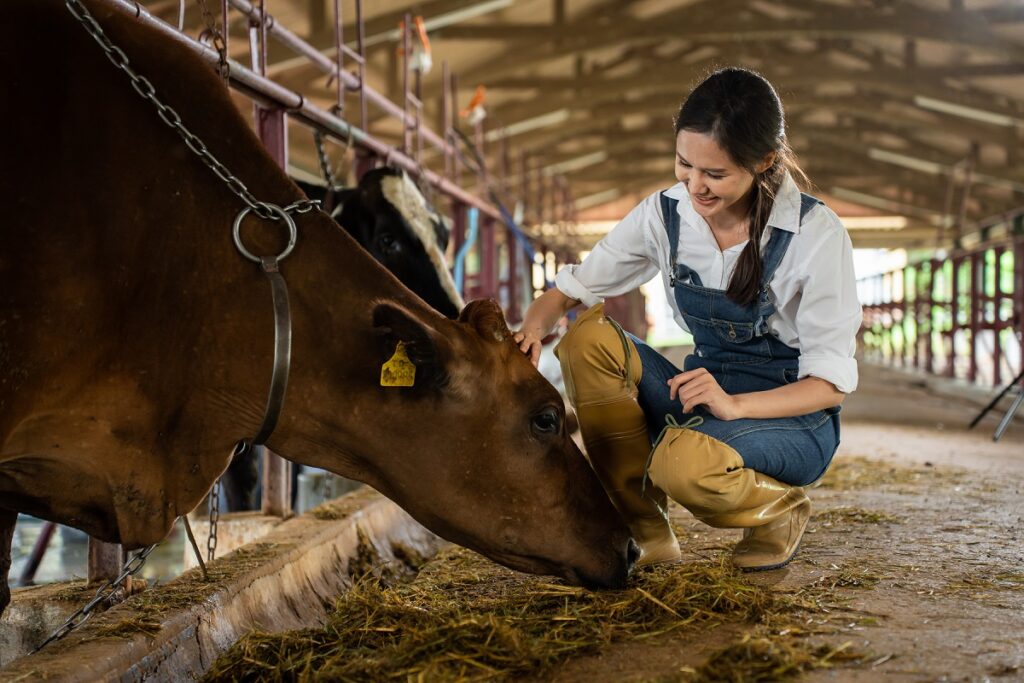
x,y
770,567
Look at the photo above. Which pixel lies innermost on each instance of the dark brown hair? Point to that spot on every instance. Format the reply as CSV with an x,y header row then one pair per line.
x,y
740,110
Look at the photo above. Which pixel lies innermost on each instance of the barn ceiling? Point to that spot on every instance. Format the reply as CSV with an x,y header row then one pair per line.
x,y
906,115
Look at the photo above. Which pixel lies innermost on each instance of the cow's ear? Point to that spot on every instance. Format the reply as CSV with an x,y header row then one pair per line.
x,y
486,317
341,198
427,347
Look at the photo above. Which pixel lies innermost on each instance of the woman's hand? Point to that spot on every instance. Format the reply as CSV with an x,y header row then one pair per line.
x,y
529,344
699,388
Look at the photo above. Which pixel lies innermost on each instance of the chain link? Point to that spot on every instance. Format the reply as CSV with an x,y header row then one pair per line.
x,y
217,40
170,116
103,594
321,156
214,504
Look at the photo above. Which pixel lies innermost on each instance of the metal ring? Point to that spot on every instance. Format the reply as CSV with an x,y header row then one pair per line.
x,y
293,232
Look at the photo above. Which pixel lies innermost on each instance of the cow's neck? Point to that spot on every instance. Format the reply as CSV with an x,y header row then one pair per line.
x,y
143,343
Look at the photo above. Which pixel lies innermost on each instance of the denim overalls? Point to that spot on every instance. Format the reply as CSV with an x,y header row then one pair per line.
x,y
734,344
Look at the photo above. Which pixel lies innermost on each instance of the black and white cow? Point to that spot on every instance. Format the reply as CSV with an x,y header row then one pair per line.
x,y
388,216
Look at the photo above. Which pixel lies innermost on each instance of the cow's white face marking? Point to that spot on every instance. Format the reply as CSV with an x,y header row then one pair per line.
x,y
403,194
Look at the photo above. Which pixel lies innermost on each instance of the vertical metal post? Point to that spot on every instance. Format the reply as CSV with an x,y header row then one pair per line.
x,y
406,47
513,276
976,309
1018,291
445,127
339,58
997,317
488,253
929,351
364,120
954,314
453,90
458,225
272,127
105,560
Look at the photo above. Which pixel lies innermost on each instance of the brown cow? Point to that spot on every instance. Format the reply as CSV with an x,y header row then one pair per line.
x,y
136,344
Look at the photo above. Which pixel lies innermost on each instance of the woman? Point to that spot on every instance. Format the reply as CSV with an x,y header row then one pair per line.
x,y
762,276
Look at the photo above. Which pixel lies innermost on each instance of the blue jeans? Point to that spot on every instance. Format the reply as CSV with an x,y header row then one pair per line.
x,y
793,450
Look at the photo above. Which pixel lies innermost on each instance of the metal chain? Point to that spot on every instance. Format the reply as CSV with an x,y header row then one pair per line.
x,y
321,157
171,117
103,593
214,504
217,39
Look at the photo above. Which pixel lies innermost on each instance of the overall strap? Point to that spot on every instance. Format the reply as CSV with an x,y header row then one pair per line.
x,y
671,217
778,244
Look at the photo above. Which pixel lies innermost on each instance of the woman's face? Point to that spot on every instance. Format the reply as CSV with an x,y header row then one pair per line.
x,y
710,174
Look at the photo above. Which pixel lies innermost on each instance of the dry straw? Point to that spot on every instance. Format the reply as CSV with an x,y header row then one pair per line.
x,y
464,618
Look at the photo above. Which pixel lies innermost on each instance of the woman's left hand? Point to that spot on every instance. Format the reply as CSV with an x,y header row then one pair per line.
x,y
699,387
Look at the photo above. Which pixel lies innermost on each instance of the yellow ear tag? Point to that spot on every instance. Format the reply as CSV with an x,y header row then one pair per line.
x,y
399,371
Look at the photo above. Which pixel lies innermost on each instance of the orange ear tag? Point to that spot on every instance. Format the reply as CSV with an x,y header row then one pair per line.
x,y
399,371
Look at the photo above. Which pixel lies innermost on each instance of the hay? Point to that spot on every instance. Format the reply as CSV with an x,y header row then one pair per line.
x,y
465,618
854,472
763,660
127,628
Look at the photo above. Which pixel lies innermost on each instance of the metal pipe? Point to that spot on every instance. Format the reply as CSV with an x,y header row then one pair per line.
x,y
269,92
28,573
298,45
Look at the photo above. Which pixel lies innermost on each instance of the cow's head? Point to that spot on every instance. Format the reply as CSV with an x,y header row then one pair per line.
x,y
390,218
493,468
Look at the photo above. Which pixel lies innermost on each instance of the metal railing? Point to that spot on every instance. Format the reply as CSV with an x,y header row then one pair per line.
x,y
958,315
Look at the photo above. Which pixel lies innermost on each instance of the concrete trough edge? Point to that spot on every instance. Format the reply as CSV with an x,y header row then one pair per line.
x,y
294,586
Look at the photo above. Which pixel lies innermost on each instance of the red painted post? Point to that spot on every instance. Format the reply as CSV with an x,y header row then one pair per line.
x,y
929,350
954,315
513,276
488,258
997,317
975,312
1018,292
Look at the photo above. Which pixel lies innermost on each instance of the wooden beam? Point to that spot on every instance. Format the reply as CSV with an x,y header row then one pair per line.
x,y
964,28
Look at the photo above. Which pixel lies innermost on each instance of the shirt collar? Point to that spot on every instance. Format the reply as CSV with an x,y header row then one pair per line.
x,y
785,213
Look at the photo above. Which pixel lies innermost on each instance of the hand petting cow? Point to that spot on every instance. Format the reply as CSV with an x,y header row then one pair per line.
x,y
136,343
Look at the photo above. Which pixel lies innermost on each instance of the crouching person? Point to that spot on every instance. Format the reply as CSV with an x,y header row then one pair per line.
x,y
761,275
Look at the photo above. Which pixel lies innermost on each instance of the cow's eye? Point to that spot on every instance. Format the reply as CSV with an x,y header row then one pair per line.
x,y
547,421
388,243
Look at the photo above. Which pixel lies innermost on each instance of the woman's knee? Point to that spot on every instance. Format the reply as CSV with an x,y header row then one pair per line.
x,y
595,356
696,471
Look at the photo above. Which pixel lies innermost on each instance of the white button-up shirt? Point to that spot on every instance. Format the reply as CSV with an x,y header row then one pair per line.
x,y
814,288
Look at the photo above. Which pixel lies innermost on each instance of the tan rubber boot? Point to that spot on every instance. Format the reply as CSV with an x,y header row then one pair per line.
x,y
707,477
601,368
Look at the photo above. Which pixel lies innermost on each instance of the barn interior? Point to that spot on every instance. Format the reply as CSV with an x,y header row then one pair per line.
x,y
533,127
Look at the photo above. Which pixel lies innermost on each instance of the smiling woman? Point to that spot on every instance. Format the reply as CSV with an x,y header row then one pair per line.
x,y
762,275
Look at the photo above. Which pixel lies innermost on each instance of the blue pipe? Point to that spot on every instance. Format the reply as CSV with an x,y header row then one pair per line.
x,y
473,222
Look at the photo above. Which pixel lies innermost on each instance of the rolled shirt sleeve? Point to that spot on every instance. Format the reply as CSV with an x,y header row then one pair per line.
x,y
622,261
829,314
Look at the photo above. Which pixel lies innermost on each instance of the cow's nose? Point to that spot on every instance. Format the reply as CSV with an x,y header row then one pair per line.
x,y
632,555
